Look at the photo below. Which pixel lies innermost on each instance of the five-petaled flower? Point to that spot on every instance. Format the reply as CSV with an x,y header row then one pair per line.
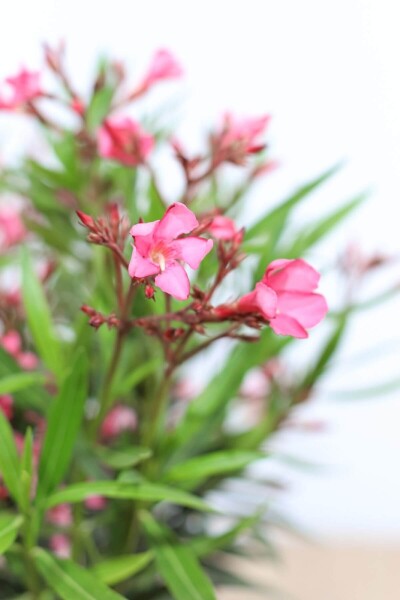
x,y
160,248
123,139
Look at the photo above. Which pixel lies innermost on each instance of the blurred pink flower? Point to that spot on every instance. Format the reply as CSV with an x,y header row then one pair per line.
x,y
11,342
123,140
120,418
238,138
298,306
61,546
22,87
158,248
6,405
96,503
223,228
12,229
162,66
60,515
261,300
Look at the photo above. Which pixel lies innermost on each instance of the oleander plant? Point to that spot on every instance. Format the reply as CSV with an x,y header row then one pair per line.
x,y
143,340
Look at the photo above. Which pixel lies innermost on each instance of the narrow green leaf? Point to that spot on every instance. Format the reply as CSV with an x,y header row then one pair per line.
x,y
20,381
39,318
9,462
305,240
70,581
119,569
99,107
216,463
26,470
204,546
64,422
9,527
127,384
123,459
177,564
147,492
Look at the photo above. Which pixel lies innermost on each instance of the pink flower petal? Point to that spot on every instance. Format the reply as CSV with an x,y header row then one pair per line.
x,y
284,325
177,220
266,300
143,235
174,281
295,275
192,250
307,308
141,267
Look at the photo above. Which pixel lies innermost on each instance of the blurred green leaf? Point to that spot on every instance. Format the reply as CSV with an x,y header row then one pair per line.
x,y
215,463
99,107
177,564
202,546
20,381
148,492
26,470
123,459
69,580
119,569
9,461
63,426
39,319
126,384
28,397
9,527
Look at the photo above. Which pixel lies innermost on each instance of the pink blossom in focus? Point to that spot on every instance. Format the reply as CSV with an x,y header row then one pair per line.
x,y
120,418
223,228
96,503
298,306
61,546
60,515
21,88
159,248
12,229
162,66
6,406
123,139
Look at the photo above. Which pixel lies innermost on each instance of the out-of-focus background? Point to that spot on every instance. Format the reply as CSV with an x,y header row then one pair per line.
x,y
328,73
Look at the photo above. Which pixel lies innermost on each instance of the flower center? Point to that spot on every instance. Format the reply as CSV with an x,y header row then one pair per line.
x,y
160,254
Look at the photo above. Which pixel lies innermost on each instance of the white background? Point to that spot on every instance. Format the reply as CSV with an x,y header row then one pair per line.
x,y
329,74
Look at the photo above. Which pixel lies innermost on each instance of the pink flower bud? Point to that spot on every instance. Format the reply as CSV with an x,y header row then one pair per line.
x,y
123,140
61,546
121,418
96,503
60,515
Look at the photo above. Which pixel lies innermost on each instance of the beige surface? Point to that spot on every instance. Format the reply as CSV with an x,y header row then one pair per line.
x,y
346,571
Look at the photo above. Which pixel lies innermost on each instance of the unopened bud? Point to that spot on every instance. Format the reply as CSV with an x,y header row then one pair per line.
x,y
149,292
86,220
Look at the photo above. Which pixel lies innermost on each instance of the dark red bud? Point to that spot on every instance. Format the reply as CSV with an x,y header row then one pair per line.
x,y
149,292
86,220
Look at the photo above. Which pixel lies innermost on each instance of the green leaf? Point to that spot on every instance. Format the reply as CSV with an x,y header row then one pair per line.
x,y
69,580
313,234
99,107
65,418
271,225
119,569
9,527
9,462
206,545
20,381
216,463
123,459
26,470
39,318
177,564
125,385
147,492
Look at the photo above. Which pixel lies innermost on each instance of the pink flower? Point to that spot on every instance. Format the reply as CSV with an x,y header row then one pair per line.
x,y
162,66
60,515
6,406
11,342
123,139
61,546
23,87
120,418
298,306
12,229
223,228
159,248
95,503
239,137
